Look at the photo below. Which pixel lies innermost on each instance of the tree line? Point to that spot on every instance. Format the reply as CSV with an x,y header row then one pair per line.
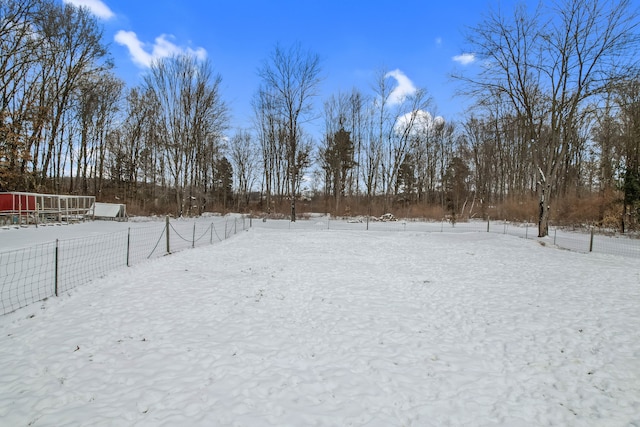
x,y
554,130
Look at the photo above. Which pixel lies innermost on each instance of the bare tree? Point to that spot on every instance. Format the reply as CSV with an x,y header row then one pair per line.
x,y
192,120
72,48
408,124
357,129
381,132
97,101
271,134
46,49
133,151
244,154
425,153
17,47
290,79
547,65
627,95
371,154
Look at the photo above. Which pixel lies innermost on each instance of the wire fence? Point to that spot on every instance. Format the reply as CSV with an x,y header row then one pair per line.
x,y
35,273
581,240
41,271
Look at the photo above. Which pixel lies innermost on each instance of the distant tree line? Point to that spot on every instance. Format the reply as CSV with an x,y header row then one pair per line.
x,y
554,129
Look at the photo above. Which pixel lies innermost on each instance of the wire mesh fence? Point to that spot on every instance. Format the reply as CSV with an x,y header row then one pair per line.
x,y
578,241
41,271
27,276
32,274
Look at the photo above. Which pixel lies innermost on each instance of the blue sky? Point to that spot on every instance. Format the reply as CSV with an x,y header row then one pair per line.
x,y
421,41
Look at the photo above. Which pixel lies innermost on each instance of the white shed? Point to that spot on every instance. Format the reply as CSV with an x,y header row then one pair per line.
x,y
112,211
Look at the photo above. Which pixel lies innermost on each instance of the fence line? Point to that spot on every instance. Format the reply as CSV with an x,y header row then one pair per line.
x,y
38,272
578,241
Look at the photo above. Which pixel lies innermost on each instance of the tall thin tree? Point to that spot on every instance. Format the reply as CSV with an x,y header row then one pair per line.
x,y
291,77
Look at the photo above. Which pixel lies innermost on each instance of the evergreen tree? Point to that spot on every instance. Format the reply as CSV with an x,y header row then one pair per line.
x,y
338,161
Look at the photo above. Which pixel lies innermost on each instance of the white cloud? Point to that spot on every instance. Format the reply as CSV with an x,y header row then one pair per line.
x,y
465,58
405,87
423,122
438,41
144,55
97,7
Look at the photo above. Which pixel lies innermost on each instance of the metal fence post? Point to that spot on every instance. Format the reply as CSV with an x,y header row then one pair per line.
x,y
128,244
555,233
488,220
56,270
193,237
167,233
591,241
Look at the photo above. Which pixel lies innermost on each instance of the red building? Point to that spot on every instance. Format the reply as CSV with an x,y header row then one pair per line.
x,y
33,208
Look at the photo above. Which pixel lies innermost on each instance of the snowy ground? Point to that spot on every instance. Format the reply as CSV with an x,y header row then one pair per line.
x,y
293,327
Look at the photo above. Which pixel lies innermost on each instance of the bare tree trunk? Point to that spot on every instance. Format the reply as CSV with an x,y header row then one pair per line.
x,y
543,215
290,79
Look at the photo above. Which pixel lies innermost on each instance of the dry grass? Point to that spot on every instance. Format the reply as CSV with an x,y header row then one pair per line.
x,y
600,209
592,209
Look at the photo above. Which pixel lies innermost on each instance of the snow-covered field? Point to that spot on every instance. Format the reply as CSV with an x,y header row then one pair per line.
x,y
309,326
